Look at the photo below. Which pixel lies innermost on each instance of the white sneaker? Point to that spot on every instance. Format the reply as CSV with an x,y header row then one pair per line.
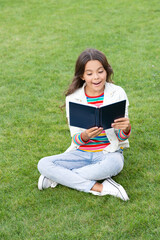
x,y
44,183
95,193
110,187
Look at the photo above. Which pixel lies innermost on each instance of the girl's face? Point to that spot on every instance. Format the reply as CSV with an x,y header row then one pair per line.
x,y
95,77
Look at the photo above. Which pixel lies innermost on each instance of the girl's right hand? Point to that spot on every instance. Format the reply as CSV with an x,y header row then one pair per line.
x,y
91,133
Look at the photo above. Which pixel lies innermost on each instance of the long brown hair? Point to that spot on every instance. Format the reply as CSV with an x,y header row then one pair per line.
x,y
84,57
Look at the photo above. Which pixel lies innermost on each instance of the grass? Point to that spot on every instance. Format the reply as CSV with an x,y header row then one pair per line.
x,y
40,41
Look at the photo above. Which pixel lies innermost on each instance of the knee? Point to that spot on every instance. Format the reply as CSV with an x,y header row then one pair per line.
x,y
121,164
120,161
41,164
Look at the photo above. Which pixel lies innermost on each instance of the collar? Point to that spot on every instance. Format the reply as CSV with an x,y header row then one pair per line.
x,y
109,91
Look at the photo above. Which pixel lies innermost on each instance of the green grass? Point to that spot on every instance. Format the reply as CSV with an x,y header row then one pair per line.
x,y
40,41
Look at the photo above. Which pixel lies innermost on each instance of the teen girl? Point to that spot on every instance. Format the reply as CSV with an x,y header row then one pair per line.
x,y
94,154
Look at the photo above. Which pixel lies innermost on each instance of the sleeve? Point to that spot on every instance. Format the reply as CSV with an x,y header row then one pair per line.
x,y
123,96
122,136
67,108
73,130
77,139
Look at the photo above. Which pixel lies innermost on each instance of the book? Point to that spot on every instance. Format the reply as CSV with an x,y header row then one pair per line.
x,y
87,116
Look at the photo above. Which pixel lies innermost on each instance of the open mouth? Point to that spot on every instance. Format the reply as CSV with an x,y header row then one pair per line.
x,y
96,84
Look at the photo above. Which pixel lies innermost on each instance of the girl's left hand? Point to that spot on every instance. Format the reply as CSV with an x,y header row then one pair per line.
x,y
122,124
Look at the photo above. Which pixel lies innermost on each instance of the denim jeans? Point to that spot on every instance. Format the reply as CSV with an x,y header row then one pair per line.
x,y
80,170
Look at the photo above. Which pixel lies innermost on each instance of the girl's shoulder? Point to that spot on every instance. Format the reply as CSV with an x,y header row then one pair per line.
x,y
111,87
115,93
77,93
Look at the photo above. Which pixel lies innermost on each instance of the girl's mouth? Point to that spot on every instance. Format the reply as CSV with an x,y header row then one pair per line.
x,y
96,84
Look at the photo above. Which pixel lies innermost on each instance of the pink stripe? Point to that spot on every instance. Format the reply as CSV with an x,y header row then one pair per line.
x,y
98,104
123,135
93,148
77,140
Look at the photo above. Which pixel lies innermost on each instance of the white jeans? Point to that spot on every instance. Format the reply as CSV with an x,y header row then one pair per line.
x,y
80,170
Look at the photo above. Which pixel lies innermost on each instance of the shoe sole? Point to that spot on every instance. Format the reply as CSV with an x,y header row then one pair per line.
x,y
54,184
40,182
95,193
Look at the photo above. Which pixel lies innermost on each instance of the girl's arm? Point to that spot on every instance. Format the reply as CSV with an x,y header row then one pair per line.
x,y
83,137
91,133
124,128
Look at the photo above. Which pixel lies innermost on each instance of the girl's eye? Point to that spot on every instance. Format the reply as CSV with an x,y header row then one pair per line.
x,y
100,72
89,74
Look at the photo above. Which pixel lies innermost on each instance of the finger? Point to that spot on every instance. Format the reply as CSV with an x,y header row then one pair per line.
x,y
121,124
96,133
121,120
121,127
118,126
92,129
99,130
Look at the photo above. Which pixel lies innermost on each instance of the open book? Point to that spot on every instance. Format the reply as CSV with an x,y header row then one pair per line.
x,y
87,116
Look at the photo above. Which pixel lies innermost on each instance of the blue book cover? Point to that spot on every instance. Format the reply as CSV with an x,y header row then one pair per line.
x,y
87,116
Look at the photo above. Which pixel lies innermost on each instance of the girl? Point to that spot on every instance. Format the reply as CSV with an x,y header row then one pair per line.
x,y
94,154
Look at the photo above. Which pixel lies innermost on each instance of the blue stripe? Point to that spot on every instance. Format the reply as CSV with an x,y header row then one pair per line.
x,y
95,99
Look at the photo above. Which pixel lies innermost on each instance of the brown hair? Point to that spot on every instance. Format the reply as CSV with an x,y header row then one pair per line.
x,y
84,57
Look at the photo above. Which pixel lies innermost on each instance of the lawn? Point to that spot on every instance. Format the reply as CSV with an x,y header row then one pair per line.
x,y
40,41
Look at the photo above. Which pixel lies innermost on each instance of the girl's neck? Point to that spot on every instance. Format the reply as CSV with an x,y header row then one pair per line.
x,y
93,93
94,96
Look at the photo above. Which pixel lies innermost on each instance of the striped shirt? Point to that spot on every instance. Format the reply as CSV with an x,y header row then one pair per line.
x,y
98,143
101,141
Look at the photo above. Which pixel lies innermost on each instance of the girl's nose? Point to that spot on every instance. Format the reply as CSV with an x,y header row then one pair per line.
x,y
95,76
